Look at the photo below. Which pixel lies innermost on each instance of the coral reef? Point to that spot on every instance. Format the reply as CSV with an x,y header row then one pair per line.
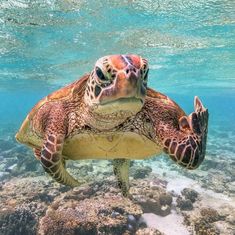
x,y
151,197
210,215
91,208
148,231
204,224
17,160
190,194
140,171
21,221
186,200
107,215
184,204
202,227
212,174
28,190
207,221
97,205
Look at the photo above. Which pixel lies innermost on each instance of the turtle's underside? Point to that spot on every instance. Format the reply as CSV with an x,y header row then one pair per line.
x,y
111,114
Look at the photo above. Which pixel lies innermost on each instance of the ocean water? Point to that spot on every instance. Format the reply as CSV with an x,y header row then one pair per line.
x,y
190,46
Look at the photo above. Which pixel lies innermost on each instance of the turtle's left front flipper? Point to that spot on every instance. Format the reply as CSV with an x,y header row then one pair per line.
x,y
187,146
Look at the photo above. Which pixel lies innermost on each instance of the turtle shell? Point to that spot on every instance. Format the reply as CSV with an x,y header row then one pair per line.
x,y
64,93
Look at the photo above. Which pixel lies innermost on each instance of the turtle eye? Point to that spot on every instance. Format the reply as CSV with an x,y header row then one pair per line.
x,y
100,74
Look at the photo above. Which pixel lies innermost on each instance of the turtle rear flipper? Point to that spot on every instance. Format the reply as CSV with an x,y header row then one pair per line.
x,y
188,146
121,171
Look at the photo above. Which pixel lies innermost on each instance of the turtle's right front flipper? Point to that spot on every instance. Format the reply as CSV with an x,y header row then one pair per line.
x,y
187,146
51,153
52,160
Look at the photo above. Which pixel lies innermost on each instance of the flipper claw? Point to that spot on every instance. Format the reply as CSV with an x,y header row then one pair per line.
x,y
198,106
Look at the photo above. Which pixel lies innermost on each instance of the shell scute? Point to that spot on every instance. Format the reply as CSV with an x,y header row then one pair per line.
x,y
166,100
37,107
64,93
153,94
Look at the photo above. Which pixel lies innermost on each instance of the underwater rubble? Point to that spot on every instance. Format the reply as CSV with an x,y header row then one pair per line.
x,y
197,202
97,215
38,205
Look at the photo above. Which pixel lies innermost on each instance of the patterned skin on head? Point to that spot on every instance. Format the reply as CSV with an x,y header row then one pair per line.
x,y
115,77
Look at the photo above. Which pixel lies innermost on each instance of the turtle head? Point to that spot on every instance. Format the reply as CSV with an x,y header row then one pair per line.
x,y
117,85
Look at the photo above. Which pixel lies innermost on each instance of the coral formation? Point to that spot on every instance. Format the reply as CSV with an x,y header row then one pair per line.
x,y
140,172
29,190
203,222
107,215
184,204
190,194
148,231
21,221
152,198
210,215
212,175
24,200
202,227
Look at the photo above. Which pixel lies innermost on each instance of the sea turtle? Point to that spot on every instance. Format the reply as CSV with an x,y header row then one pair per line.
x,y
112,114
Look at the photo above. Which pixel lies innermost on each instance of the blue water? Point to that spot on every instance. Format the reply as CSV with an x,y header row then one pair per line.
x,y
46,44
189,44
